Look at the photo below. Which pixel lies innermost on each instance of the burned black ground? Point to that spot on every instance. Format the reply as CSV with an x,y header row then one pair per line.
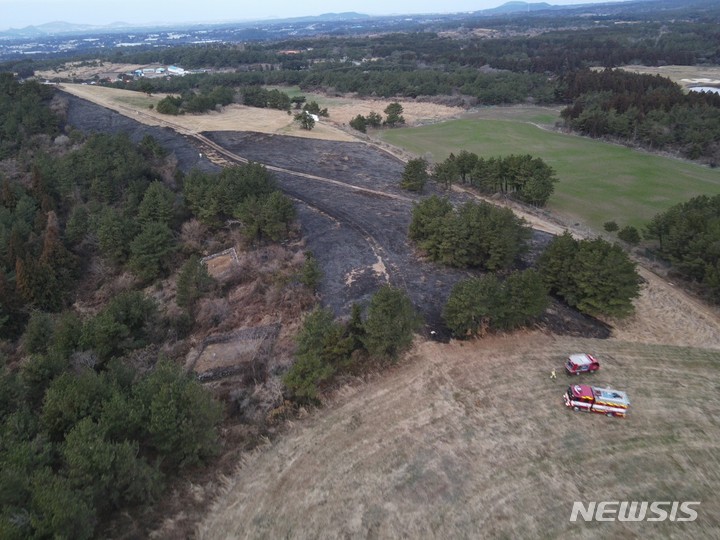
x,y
358,237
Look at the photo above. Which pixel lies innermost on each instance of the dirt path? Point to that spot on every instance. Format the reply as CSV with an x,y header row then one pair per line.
x,y
232,118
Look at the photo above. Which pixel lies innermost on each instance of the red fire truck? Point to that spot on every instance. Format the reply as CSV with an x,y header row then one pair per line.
x,y
582,397
581,363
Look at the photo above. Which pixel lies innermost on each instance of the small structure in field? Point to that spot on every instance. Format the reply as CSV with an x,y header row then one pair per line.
x,y
221,265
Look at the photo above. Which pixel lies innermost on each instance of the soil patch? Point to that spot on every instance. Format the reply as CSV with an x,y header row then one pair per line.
x,y
222,265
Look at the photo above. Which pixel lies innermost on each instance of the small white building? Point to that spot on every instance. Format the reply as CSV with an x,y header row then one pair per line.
x,y
175,70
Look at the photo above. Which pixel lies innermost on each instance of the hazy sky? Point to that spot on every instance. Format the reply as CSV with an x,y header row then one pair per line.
x,y
21,13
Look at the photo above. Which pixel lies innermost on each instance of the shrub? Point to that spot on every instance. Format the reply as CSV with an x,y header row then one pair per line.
x,y
629,234
610,226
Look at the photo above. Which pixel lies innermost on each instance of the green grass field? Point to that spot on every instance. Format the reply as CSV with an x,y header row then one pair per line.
x,y
598,181
141,101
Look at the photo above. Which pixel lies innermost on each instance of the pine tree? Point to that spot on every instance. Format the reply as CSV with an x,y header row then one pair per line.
x,y
391,323
150,251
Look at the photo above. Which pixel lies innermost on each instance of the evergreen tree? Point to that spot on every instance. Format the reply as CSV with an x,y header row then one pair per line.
x,y
322,349
359,123
593,275
390,324
311,273
150,251
427,217
415,175
394,114
59,511
446,173
471,305
38,333
178,417
108,473
157,205
305,120
193,281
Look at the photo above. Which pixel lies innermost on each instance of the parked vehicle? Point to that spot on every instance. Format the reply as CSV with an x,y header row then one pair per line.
x,y
581,363
582,397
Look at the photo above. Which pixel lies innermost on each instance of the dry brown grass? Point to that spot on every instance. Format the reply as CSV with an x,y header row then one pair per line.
x,y
471,440
240,118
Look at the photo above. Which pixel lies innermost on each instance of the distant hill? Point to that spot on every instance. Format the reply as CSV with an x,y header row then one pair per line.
x,y
518,7
326,17
61,27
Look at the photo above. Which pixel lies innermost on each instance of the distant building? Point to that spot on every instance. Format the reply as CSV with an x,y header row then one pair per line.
x,y
175,70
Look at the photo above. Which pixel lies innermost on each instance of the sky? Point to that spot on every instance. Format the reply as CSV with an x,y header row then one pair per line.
x,y
22,13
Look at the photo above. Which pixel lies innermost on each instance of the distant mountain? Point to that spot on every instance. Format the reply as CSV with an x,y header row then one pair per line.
x,y
346,16
56,28
63,28
518,7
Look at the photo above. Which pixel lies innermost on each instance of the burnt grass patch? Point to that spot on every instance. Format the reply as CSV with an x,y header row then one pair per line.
x,y
358,237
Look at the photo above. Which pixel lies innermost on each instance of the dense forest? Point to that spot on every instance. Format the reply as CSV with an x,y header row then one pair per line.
x,y
94,417
648,110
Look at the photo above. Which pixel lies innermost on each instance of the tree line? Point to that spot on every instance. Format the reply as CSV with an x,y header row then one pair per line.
x,y
523,177
648,110
556,50
594,276
688,235
327,347
83,433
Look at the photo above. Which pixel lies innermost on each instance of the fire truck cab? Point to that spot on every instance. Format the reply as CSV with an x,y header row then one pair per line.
x,y
582,397
581,363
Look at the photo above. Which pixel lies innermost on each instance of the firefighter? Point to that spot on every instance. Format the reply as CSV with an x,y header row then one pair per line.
x,y
553,376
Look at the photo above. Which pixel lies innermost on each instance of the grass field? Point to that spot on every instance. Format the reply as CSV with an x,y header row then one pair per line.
x,y
140,101
598,181
472,440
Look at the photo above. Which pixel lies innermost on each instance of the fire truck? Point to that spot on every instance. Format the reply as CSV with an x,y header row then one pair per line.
x,y
582,397
581,363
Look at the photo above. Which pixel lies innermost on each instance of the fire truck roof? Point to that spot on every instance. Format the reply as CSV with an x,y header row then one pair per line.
x,y
608,394
581,359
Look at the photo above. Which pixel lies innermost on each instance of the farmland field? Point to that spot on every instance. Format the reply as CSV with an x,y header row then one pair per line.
x,y
598,181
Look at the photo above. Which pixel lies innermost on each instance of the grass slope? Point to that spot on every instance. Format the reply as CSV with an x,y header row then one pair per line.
x,y
598,181
472,440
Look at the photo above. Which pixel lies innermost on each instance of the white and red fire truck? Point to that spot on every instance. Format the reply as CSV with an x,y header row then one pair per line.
x,y
582,397
581,363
